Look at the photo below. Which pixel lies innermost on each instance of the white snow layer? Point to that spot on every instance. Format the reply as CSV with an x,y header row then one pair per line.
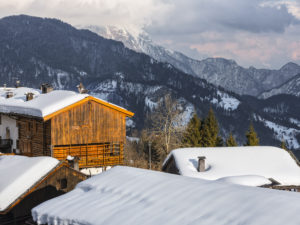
x,y
41,105
248,180
225,101
19,173
131,196
221,162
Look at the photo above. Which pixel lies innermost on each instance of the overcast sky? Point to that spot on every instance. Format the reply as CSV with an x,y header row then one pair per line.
x,y
260,33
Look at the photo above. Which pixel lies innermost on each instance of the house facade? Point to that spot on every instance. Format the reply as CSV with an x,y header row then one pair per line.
x,y
61,124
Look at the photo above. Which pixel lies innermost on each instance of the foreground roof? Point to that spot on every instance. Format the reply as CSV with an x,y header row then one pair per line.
x,y
20,173
45,105
132,196
242,165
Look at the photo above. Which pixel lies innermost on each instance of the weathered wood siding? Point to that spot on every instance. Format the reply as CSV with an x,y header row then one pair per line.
x,y
31,136
89,122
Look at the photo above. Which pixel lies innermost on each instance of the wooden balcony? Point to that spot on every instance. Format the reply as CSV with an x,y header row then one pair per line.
x,y
92,155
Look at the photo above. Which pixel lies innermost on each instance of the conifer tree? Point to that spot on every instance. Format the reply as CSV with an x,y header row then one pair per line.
x,y
192,136
252,139
230,141
220,141
210,130
283,145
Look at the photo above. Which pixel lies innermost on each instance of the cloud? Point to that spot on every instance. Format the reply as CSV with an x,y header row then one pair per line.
x,y
252,32
195,16
89,12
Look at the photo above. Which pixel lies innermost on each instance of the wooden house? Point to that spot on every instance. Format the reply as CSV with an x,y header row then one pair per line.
x,y
60,123
28,181
261,166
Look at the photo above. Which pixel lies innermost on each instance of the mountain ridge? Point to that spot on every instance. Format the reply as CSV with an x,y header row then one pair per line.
x,y
35,50
218,71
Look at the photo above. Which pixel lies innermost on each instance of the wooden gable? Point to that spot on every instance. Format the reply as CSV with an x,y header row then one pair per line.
x,y
88,122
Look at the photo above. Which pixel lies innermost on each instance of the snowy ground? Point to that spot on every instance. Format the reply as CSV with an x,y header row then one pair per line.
x,y
284,133
132,196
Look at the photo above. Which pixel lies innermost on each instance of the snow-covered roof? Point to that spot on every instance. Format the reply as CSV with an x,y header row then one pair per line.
x,y
20,173
242,165
42,105
125,195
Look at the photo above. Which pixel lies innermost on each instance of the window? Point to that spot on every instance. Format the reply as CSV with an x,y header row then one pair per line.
x,y
63,183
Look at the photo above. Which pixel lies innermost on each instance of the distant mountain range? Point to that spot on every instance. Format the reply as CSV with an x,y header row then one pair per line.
x,y
36,50
291,87
218,71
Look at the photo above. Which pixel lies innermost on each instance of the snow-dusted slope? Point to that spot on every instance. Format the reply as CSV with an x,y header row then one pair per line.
x,y
218,71
132,196
19,173
291,87
239,162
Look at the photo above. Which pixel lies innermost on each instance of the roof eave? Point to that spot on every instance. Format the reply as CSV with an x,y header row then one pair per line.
x,y
124,111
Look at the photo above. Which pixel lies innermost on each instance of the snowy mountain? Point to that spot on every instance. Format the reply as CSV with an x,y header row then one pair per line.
x,y
291,87
218,71
35,50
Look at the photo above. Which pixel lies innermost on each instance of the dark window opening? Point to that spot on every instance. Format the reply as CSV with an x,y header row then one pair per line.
x,y
63,183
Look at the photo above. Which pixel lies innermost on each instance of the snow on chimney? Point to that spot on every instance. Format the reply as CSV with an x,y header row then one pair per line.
x,y
73,162
9,94
17,85
201,163
29,96
81,89
46,88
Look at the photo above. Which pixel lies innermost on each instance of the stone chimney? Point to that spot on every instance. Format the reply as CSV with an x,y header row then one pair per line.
x,y
29,96
9,94
81,89
46,88
201,163
17,85
74,162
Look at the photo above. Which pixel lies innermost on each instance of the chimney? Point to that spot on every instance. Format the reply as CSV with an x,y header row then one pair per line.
x,y
73,162
46,88
201,163
29,96
17,85
81,89
9,94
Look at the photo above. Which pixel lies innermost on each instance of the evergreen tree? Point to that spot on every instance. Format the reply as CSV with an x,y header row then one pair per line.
x,y
220,141
192,136
252,139
283,145
231,141
210,130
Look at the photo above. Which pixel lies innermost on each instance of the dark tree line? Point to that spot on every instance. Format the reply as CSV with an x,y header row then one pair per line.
x,y
205,133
